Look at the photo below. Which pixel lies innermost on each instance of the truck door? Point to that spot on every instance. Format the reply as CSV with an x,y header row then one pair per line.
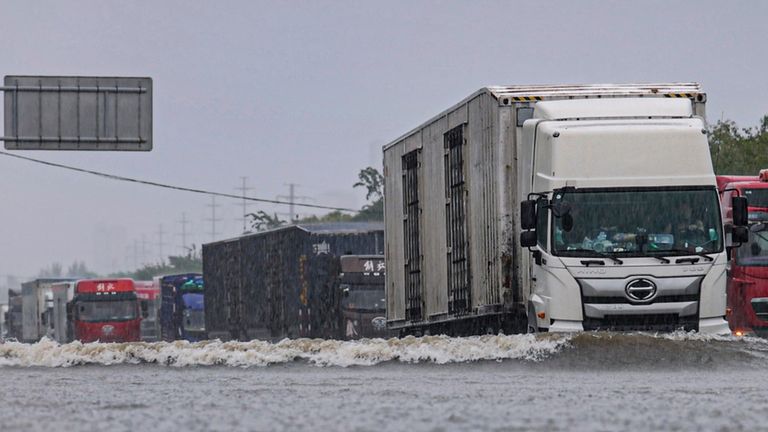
x,y
537,263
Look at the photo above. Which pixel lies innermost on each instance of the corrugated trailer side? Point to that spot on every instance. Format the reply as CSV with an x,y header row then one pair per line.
x,y
282,283
223,283
458,231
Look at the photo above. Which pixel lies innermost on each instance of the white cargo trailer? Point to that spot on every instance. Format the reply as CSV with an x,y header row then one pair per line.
x,y
37,308
62,295
608,172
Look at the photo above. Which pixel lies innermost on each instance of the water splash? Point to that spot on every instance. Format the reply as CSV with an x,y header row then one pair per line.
x,y
369,352
589,350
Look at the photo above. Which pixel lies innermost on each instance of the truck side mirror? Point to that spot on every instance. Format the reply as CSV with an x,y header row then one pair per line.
x,y
740,234
528,239
739,212
144,309
528,214
70,311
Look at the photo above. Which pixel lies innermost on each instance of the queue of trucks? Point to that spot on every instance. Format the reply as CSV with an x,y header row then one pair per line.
x,y
518,209
89,310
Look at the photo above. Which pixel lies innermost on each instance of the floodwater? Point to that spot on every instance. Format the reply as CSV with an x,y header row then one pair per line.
x,y
589,381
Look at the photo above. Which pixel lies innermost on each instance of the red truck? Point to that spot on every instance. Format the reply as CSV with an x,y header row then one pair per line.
x,y
747,290
105,310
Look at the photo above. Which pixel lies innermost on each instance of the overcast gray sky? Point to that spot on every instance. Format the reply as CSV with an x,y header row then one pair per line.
x,y
307,92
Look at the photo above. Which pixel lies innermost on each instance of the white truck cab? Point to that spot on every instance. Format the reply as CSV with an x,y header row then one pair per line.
x,y
627,231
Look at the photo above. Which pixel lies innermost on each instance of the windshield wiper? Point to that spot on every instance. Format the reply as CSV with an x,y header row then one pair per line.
x,y
660,258
598,254
687,252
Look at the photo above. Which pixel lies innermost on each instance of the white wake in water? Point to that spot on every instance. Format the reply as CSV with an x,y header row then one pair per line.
x,y
427,349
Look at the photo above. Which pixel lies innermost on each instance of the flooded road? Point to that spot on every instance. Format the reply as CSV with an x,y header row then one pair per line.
x,y
584,382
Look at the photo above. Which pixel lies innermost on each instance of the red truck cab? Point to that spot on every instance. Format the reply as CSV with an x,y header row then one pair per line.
x,y
748,271
106,310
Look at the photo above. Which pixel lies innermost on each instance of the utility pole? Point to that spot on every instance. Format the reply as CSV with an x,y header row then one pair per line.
x,y
292,199
243,189
213,219
135,254
143,249
184,222
160,232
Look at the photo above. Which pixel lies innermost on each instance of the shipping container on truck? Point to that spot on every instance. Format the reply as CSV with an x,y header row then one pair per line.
x,y
748,275
363,301
37,308
182,311
282,283
148,294
586,169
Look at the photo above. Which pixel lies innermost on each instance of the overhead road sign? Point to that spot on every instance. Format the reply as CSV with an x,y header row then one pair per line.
x,y
77,113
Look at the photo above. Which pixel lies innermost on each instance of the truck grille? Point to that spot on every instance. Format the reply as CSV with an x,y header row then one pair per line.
x,y
760,306
659,299
657,322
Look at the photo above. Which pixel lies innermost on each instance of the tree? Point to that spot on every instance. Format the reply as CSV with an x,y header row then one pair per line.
x,y
334,216
263,221
191,263
78,269
739,151
372,181
371,212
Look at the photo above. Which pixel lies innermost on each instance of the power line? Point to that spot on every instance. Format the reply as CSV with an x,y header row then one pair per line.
x,y
167,186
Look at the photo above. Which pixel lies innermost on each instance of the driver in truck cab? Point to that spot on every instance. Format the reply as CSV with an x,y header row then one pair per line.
x,y
688,231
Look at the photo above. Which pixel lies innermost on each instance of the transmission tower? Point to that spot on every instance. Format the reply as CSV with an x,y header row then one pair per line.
x,y
213,219
183,222
292,198
243,191
160,232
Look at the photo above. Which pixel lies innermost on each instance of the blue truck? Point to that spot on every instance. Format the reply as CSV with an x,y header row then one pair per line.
x,y
182,311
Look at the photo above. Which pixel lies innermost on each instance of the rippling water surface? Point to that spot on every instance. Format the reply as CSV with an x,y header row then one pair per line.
x,y
590,381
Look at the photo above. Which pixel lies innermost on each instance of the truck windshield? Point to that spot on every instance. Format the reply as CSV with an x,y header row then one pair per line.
x,y
364,297
754,253
107,310
639,222
194,320
757,197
